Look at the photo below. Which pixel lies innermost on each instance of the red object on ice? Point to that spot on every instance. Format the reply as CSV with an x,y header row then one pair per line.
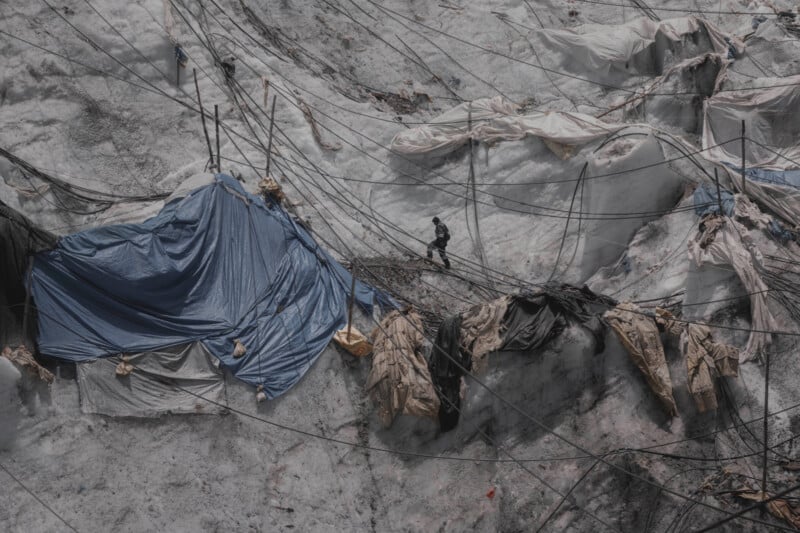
x,y
490,494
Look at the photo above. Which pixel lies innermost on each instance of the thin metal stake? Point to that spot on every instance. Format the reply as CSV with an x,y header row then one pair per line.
x,y
719,195
744,181
216,125
203,117
766,426
269,146
177,71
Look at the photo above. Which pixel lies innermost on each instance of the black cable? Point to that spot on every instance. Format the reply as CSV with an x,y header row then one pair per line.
x,y
37,498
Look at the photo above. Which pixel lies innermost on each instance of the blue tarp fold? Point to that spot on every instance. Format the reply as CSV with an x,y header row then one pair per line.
x,y
213,266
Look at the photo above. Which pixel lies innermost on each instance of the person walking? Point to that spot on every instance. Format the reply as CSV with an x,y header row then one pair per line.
x,y
440,242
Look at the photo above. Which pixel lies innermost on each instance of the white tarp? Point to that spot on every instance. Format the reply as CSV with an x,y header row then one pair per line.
x,y
149,390
772,130
496,119
610,54
725,242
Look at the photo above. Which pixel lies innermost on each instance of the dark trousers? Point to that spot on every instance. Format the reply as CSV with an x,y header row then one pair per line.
x,y
439,247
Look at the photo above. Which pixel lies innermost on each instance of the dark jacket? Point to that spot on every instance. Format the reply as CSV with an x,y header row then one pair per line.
x,y
442,235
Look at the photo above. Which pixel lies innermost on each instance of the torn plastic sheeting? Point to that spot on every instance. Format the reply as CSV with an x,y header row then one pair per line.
x,y
771,136
399,381
724,242
215,265
779,507
23,359
706,201
640,336
705,360
172,380
496,119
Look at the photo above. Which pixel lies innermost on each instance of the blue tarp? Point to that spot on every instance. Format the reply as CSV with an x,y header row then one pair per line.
x,y
216,265
787,178
706,201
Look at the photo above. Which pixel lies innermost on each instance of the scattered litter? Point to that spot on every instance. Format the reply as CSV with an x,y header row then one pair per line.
x,y
239,349
356,343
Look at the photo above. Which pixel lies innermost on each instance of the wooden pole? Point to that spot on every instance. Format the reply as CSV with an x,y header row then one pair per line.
x,y
352,300
744,181
269,146
216,125
719,195
203,116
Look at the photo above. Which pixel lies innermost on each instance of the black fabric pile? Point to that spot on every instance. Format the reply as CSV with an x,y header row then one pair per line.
x,y
530,322
446,364
19,238
533,319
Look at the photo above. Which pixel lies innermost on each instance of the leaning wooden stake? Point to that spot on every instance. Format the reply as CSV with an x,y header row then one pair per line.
x,y
352,300
744,181
216,125
269,146
719,195
203,116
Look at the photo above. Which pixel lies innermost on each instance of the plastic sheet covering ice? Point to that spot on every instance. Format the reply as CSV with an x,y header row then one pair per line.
x,y
19,238
771,135
496,119
722,242
705,360
447,365
216,265
611,54
164,381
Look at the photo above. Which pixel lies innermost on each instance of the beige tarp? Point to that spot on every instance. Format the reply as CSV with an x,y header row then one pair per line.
x,y
171,380
779,507
640,337
640,47
480,330
770,116
724,242
705,360
23,359
496,119
399,381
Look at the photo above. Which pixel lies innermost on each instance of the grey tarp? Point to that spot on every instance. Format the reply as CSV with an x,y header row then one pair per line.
x,y
723,241
399,381
154,386
481,327
705,360
639,335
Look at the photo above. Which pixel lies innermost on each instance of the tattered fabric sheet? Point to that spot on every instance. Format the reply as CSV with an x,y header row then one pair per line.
x,y
24,360
481,327
724,242
772,136
705,360
780,198
639,335
447,364
496,119
174,380
399,381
